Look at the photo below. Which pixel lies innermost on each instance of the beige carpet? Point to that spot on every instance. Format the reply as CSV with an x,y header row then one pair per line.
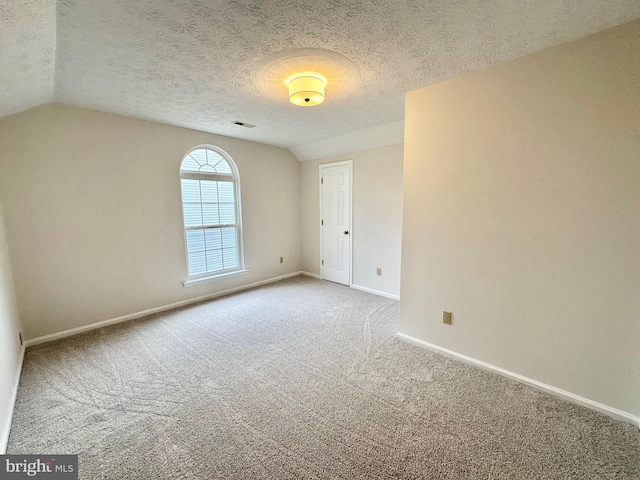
x,y
301,379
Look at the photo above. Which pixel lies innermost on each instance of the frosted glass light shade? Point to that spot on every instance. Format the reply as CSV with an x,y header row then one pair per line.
x,y
306,90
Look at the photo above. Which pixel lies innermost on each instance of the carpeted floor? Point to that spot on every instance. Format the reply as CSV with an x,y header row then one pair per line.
x,y
301,379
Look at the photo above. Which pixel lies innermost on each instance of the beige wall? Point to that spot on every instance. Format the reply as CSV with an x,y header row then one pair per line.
x,y
94,220
9,339
522,216
377,216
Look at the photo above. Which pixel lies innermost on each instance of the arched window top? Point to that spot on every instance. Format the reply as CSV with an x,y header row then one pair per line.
x,y
207,160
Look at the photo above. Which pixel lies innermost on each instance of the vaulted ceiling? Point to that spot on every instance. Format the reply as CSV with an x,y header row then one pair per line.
x,y
189,62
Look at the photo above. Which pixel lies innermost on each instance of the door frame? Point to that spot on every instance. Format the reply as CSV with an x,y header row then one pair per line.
x,y
348,163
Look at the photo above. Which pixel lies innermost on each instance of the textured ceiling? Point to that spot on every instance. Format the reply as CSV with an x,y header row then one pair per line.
x,y
189,62
27,53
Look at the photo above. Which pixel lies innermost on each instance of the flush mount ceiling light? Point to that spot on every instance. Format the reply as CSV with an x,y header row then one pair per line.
x,y
307,73
306,90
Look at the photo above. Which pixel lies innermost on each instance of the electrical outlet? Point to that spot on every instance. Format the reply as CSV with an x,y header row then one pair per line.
x,y
281,259
20,336
379,272
446,317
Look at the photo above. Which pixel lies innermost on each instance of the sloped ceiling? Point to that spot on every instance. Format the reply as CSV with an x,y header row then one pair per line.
x,y
189,62
27,54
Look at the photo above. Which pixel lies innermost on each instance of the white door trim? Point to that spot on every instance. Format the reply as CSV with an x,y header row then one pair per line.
x,y
348,163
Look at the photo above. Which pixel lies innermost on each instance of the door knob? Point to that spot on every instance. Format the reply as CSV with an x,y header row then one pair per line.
x,y
346,232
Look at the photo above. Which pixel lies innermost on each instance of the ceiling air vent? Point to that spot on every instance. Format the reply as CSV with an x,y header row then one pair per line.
x,y
243,124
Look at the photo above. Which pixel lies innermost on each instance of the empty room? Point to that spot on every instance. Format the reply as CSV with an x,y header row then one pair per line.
x,y
320,240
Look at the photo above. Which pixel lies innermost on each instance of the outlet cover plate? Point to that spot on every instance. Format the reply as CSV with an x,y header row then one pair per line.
x,y
446,317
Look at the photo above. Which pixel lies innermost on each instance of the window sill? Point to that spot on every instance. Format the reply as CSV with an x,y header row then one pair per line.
x,y
212,278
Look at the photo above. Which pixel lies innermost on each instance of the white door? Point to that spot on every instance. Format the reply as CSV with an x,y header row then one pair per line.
x,y
335,214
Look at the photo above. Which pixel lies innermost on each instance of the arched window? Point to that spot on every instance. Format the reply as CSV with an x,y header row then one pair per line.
x,y
212,215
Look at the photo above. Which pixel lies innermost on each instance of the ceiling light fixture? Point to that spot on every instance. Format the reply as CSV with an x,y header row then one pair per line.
x,y
306,90
333,76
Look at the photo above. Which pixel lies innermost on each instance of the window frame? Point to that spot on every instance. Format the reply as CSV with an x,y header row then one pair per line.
x,y
234,177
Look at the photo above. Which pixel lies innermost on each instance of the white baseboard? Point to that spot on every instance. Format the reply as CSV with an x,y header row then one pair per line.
x,y
376,292
563,394
312,275
4,434
85,328
358,287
